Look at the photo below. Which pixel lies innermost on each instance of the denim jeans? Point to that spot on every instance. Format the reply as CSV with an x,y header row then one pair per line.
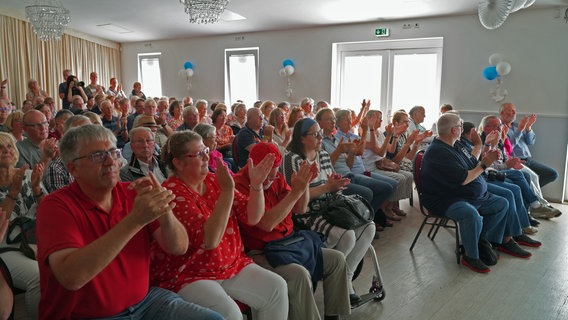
x,y
382,187
545,173
487,219
163,304
518,177
520,216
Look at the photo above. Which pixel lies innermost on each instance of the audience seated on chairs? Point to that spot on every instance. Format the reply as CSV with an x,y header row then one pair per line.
x,y
144,159
146,122
374,158
20,193
345,149
119,128
281,202
224,133
215,269
190,118
506,188
176,115
281,134
453,186
252,133
201,106
521,136
240,117
306,146
514,169
84,261
56,174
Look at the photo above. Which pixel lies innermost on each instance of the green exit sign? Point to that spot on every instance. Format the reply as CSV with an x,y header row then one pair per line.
x,y
382,32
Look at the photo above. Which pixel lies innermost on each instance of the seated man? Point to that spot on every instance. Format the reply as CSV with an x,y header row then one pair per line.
x,y
280,201
252,133
453,186
37,147
190,118
94,238
521,136
143,159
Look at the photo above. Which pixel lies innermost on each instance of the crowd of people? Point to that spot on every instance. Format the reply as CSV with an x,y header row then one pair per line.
x,y
159,208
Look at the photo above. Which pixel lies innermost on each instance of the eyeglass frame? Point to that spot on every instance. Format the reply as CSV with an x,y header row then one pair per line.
x,y
37,125
101,156
316,134
199,154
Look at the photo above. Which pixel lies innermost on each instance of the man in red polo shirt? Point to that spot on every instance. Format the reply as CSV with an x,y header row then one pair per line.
x,y
280,201
94,238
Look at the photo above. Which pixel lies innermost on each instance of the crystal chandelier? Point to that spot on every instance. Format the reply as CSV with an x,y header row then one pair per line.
x,y
204,11
48,19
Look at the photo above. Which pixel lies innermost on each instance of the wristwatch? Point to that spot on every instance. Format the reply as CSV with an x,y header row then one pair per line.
x,y
482,165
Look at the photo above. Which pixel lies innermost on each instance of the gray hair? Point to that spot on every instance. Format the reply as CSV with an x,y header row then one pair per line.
x,y
306,100
446,122
73,121
73,140
485,121
339,115
201,102
190,109
204,129
414,109
133,131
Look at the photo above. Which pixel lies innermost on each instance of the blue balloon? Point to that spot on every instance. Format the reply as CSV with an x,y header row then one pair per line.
x,y
188,65
287,62
490,73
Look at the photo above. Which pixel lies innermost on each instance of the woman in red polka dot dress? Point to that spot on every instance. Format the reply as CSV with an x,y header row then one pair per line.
x,y
215,270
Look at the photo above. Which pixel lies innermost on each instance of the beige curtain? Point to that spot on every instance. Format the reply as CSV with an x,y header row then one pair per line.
x,y
23,57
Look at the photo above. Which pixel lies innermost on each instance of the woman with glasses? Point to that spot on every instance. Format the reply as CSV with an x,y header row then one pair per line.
x,y
20,192
306,145
209,135
215,270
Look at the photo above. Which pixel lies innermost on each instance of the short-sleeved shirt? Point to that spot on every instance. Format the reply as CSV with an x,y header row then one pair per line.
x,y
255,238
192,210
246,137
66,219
29,153
443,170
224,135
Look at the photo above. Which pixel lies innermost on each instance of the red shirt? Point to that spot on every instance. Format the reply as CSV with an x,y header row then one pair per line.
x,y
67,218
255,238
192,209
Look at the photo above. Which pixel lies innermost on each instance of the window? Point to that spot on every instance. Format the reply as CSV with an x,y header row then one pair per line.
x,y
241,75
393,74
149,74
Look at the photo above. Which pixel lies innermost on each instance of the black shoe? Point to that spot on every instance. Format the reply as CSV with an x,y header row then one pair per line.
x,y
475,264
513,249
534,222
354,298
525,240
487,253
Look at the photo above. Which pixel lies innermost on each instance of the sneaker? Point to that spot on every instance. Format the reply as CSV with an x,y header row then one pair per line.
x,y
545,212
487,253
513,249
533,221
530,230
475,264
354,298
558,212
525,240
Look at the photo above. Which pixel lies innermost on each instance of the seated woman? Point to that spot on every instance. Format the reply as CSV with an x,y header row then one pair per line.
x,y
175,110
15,125
237,122
208,134
373,158
225,134
296,114
215,269
6,296
281,135
306,145
20,191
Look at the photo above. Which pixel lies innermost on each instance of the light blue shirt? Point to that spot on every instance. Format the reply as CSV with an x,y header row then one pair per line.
x,y
520,140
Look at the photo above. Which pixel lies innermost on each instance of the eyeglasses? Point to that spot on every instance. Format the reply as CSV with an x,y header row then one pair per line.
x,y
37,125
101,156
142,141
316,134
201,154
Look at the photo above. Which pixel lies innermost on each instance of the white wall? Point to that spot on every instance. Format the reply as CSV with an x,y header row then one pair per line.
x,y
531,40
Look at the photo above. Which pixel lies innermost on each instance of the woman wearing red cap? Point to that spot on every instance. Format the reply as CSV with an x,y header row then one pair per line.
x,y
215,269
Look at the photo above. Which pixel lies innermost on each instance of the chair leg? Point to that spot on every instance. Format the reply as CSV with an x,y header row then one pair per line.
x,y
419,232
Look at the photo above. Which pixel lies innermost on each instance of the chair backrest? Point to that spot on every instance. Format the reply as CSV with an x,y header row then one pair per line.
x,y
417,180
235,152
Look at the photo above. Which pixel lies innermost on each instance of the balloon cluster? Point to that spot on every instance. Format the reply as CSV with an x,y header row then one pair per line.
x,y
187,73
287,70
497,69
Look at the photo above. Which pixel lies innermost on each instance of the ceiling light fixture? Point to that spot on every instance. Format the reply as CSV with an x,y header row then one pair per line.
x,y
48,19
204,11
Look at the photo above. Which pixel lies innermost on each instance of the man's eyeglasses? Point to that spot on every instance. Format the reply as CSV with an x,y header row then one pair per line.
x,y
100,156
201,154
37,125
316,134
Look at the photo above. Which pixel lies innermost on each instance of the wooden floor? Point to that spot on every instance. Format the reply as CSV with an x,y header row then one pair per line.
x,y
428,284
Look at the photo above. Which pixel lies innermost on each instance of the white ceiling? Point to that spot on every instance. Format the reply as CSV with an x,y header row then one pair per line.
x,y
166,19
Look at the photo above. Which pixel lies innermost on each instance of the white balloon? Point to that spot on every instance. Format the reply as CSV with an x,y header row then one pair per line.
x,y
289,70
282,72
189,72
495,58
503,68
518,5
